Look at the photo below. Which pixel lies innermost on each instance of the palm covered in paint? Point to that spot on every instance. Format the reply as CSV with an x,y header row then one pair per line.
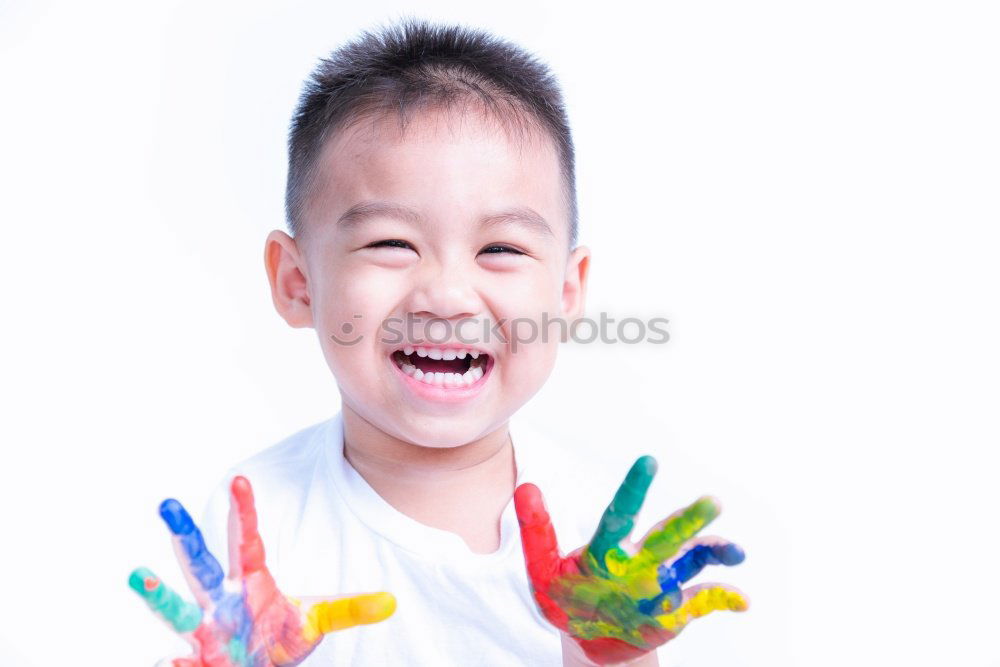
x,y
243,620
620,603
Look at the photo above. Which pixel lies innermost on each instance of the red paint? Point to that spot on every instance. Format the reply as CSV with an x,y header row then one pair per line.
x,y
541,550
251,546
545,565
211,650
607,650
552,611
258,584
187,662
275,635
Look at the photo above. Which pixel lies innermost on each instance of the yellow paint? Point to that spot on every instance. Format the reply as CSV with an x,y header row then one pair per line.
x,y
334,615
705,601
279,656
617,562
642,585
600,629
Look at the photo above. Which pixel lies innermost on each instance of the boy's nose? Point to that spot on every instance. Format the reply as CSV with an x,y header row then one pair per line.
x,y
446,292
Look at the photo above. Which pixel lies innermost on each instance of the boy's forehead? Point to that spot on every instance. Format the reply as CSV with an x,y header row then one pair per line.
x,y
441,162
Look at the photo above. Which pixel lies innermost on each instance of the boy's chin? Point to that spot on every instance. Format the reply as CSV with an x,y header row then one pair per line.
x,y
443,431
446,433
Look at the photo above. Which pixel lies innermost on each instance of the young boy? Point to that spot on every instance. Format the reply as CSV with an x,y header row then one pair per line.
x,y
432,209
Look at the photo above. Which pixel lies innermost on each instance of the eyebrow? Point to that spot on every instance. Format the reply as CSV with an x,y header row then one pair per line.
x,y
519,215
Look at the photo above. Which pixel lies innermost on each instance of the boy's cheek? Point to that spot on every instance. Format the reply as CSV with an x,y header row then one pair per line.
x,y
529,363
347,315
352,368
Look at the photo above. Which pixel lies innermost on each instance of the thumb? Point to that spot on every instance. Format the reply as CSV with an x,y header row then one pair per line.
x,y
330,615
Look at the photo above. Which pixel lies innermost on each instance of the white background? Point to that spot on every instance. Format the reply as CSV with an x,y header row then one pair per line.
x,y
809,191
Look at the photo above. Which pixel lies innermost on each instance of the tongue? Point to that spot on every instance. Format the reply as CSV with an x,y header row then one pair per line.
x,y
428,365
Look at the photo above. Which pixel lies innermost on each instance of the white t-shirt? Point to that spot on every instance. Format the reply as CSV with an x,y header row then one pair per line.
x,y
327,532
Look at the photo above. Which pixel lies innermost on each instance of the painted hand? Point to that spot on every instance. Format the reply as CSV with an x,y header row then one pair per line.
x,y
620,603
243,620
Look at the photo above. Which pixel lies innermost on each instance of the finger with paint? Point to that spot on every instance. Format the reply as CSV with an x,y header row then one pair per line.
x,y
620,603
619,518
202,571
181,615
243,619
689,561
184,617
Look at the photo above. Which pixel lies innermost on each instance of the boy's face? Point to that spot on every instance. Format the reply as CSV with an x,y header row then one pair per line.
x,y
451,271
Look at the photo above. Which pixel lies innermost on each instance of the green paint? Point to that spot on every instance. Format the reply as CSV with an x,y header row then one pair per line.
x,y
238,651
619,518
602,608
605,594
664,543
182,615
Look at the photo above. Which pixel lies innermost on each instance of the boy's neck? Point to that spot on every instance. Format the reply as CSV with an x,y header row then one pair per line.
x,y
461,489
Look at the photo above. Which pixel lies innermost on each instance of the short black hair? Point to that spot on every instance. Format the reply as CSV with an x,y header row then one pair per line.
x,y
415,64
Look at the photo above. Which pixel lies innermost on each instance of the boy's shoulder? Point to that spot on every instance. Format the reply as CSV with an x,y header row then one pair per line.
x,y
284,465
298,449
278,475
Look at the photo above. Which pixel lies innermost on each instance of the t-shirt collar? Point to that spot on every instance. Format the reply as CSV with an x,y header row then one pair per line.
x,y
382,518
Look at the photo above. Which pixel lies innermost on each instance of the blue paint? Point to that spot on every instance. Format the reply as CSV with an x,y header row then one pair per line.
x,y
686,568
203,565
177,518
233,615
696,558
670,593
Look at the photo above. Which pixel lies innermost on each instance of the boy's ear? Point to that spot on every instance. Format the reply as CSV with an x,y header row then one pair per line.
x,y
575,283
286,272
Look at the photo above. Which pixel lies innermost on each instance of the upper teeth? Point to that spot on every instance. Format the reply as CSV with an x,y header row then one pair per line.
x,y
444,379
438,353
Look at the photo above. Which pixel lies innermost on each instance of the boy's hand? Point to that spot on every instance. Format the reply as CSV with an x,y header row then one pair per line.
x,y
243,620
621,603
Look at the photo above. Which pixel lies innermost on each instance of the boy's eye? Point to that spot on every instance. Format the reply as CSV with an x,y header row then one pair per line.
x,y
497,249
390,243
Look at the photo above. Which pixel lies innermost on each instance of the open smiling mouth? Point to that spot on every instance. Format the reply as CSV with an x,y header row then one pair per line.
x,y
442,367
